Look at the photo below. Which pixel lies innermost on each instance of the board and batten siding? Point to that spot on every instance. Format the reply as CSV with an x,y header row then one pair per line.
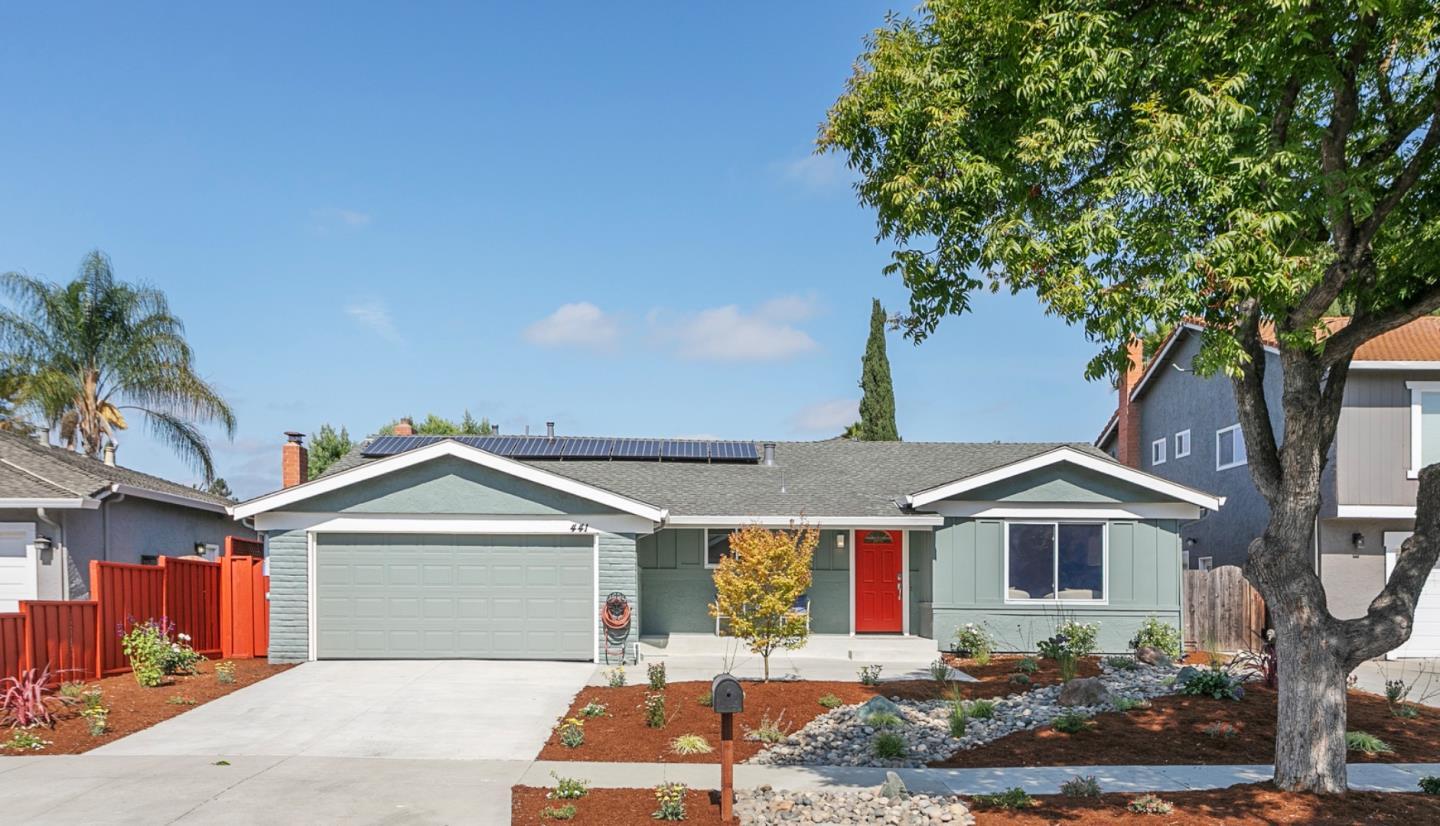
x,y
290,593
969,583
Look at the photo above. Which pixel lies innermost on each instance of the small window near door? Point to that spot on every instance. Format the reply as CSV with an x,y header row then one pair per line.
x,y
1157,452
1229,448
717,546
1182,444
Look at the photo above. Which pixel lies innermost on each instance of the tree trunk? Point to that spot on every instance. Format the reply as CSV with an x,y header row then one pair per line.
x,y
1310,720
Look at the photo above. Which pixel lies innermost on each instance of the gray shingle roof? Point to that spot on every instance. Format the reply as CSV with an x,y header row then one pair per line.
x,y
26,466
836,477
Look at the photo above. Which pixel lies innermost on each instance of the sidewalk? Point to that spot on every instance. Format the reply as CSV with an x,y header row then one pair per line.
x,y
1380,777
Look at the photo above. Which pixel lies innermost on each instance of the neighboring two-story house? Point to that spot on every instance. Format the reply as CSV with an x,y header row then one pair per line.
x,y
1178,425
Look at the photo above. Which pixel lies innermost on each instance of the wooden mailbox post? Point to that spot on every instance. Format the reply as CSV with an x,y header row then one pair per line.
x,y
727,698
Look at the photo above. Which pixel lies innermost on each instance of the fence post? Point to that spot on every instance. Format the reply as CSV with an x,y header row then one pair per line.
x,y
99,618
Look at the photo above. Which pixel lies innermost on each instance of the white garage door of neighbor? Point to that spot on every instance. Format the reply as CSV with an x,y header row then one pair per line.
x,y
1425,638
17,564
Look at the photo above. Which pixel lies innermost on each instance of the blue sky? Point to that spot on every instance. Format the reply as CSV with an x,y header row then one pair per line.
x,y
606,215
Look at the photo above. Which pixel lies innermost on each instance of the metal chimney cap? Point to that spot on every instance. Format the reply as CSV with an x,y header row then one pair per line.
x,y
550,429
294,436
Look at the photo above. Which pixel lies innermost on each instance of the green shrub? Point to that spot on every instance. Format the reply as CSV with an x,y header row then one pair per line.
x,y
1078,638
769,731
572,732
1078,786
225,672
1222,730
981,709
594,708
1130,703
71,692
671,797
971,640
147,646
870,674
654,706
1122,663
655,673
888,746
615,677
707,699
1157,634
691,744
1020,679
1015,798
1069,665
181,700
22,740
1214,682
940,671
1430,784
566,812
1149,804
958,721
1071,722
830,701
885,719
1027,665
568,788
1365,742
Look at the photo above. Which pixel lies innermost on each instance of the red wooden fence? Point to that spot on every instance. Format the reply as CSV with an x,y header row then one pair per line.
x,y
221,605
192,601
127,594
238,546
12,644
245,615
61,636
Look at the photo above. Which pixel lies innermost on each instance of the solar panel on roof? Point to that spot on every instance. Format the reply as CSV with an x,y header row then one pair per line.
x,y
586,448
677,449
733,451
579,447
542,448
636,449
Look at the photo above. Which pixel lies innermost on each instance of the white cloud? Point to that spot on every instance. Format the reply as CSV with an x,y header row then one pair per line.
x,y
373,315
830,417
580,324
816,172
729,333
345,217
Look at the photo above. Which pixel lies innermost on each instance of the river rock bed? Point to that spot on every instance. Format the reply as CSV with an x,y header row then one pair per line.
x,y
765,806
840,738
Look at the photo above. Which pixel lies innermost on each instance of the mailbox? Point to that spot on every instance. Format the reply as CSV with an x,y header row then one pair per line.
x,y
727,697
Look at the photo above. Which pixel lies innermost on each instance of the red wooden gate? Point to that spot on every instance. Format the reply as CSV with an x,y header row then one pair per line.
x,y
245,611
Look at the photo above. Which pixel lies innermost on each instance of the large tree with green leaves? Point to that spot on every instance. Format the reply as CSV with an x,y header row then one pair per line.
x,y
327,445
94,348
877,400
433,425
1246,163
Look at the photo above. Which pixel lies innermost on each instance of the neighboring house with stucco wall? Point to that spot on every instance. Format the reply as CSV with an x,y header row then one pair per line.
x,y
59,510
1184,427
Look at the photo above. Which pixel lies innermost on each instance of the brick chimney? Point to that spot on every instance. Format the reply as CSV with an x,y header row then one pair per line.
x,y
294,460
404,427
1127,425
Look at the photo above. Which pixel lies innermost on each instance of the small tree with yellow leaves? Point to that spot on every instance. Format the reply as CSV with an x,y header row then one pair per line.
x,y
757,584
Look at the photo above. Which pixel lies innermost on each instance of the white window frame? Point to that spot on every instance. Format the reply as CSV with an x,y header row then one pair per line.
x,y
1157,452
1234,428
1418,389
1183,437
1055,567
705,551
1206,563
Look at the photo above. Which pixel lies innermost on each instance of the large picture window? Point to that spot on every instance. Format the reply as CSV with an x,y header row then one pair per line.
x,y
1055,561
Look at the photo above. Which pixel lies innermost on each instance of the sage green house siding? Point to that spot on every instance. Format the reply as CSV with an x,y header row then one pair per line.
x,y
1061,485
1144,581
289,596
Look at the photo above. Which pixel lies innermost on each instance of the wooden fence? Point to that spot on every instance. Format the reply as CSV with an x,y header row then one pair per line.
x,y
221,605
1222,611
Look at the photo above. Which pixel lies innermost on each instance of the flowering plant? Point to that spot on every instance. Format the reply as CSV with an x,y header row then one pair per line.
x,y
153,654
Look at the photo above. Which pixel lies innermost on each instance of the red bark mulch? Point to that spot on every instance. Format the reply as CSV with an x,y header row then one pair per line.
x,y
133,708
1171,732
608,807
622,736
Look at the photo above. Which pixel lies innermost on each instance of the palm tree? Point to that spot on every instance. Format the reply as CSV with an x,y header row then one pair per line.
x,y
96,347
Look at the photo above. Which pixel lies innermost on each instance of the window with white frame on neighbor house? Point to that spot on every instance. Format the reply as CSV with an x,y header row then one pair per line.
x,y
717,545
1182,444
1424,425
1157,452
1055,561
1229,447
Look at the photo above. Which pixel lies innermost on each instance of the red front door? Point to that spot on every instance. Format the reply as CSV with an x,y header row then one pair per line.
x,y
878,568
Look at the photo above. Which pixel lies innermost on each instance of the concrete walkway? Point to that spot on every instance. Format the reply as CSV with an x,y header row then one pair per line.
x,y
1383,777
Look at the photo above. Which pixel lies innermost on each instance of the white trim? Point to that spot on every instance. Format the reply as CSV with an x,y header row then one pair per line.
x,y
1392,540
852,581
1395,365
1050,510
1240,443
449,447
905,582
1107,467
83,502
1104,563
1157,448
1375,511
455,523
311,587
1178,453
911,521
168,498
1418,389
599,627
705,557
497,527
30,588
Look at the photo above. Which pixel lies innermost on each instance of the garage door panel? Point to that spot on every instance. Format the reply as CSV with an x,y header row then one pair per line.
x,y
455,596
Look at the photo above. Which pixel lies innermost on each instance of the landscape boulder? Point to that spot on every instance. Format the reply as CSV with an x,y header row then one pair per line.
x,y
877,705
1150,655
1086,691
894,787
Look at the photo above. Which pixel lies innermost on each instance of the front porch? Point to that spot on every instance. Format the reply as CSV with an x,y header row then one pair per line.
x,y
824,657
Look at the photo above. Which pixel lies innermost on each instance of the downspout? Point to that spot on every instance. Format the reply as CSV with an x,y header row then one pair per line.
x,y
64,550
111,496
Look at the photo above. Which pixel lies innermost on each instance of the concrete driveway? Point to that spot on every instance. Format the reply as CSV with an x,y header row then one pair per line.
x,y
362,742
1421,675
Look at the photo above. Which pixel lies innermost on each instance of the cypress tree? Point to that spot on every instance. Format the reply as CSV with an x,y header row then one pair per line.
x,y
877,405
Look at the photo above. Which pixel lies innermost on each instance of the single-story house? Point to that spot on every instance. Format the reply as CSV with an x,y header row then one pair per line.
x,y
509,547
60,509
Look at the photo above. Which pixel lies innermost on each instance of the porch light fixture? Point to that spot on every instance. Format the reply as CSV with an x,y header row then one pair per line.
x,y
840,541
1358,540
199,548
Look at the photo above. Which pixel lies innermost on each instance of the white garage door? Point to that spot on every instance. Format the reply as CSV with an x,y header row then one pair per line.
x,y
1425,639
17,564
